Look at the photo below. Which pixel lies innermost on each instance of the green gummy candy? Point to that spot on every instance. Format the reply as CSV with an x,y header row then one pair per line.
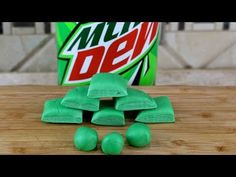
x,y
54,112
108,116
107,85
77,99
138,135
112,144
136,100
164,113
85,139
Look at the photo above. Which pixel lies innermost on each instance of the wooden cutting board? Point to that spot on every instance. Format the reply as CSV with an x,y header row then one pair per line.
x,y
205,122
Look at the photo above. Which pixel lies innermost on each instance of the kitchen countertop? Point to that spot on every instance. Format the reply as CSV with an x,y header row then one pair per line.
x,y
205,122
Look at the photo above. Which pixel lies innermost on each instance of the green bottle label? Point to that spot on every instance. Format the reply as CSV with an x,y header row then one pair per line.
x,y
126,48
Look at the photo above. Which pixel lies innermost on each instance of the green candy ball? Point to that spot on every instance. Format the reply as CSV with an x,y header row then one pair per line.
x,y
112,144
85,139
138,135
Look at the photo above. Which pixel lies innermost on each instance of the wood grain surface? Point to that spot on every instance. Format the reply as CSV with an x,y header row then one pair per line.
x,y
205,122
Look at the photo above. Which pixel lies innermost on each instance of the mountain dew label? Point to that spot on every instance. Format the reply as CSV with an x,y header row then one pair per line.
x,y
125,48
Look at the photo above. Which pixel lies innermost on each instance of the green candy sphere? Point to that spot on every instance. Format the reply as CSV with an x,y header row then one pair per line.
x,y
112,144
138,135
85,139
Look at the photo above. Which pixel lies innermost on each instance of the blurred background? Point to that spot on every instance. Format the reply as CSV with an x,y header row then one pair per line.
x,y
190,53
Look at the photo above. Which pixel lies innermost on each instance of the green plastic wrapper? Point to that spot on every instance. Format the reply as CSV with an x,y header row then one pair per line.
x,y
107,85
77,99
108,115
136,100
112,144
54,112
85,138
138,135
164,113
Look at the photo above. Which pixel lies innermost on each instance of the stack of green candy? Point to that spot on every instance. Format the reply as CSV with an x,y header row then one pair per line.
x,y
108,112
70,108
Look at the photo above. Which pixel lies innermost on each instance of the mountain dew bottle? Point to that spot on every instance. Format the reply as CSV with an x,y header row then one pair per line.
x,y
126,48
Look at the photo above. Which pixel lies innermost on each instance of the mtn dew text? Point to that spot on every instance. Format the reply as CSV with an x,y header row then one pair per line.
x,y
126,48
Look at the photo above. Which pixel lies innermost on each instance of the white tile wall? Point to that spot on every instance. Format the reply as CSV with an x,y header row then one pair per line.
x,y
198,45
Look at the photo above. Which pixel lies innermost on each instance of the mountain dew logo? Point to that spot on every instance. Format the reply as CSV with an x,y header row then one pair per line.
x,y
125,48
